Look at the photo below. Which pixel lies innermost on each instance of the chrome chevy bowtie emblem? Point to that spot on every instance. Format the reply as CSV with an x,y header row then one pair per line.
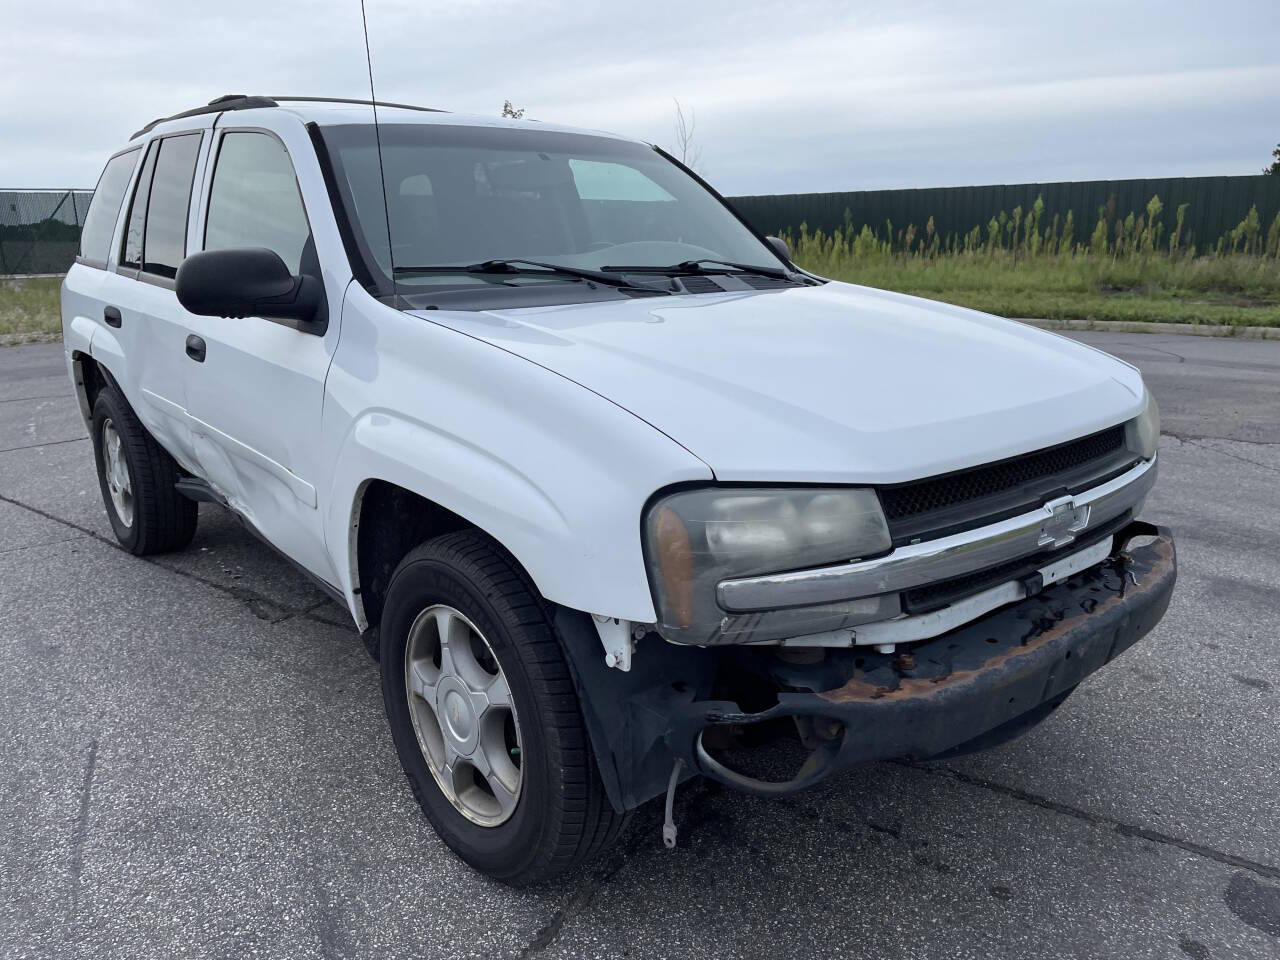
x,y
1066,519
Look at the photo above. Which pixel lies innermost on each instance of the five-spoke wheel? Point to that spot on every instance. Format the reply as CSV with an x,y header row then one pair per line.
x,y
462,713
484,713
137,478
116,472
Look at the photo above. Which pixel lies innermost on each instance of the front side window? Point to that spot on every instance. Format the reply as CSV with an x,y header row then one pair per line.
x,y
100,221
458,196
254,200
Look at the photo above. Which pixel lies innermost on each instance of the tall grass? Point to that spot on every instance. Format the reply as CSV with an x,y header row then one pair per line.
x,y
1135,268
29,309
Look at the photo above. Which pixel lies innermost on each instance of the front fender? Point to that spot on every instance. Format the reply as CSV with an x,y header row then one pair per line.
x,y
555,473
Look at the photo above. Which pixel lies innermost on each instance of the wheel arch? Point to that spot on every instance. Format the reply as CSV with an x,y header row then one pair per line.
x,y
562,527
90,376
387,521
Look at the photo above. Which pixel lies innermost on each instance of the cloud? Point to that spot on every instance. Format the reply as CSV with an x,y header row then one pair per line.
x,y
807,96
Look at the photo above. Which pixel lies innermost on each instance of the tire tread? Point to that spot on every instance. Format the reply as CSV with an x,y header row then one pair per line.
x,y
164,520
581,823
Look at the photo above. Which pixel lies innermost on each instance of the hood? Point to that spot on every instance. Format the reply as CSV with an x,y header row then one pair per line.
x,y
836,383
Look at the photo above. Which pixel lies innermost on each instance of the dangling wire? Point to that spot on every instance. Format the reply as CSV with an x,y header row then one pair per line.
x,y
377,136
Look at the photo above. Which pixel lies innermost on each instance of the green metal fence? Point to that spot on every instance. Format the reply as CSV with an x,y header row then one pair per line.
x,y
40,229
1216,206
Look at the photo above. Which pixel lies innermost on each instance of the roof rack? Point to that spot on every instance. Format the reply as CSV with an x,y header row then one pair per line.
x,y
232,101
366,103
240,101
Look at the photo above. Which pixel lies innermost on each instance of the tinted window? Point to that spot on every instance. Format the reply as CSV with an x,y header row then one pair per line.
x,y
254,201
131,252
100,221
165,243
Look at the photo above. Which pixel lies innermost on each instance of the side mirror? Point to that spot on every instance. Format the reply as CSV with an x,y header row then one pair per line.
x,y
780,248
250,282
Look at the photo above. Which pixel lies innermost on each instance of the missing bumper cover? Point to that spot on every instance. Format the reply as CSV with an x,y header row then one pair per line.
x,y
958,686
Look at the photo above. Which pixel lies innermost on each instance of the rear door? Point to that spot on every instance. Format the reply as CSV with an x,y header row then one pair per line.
x,y
83,308
255,402
150,327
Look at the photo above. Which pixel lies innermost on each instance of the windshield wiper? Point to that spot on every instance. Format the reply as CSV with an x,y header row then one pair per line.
x,y
517,265
696,266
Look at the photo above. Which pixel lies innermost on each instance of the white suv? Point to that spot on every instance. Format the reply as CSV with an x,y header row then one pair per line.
x,y
611,488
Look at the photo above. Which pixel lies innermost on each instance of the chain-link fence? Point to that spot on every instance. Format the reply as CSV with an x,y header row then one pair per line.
x,y
40,230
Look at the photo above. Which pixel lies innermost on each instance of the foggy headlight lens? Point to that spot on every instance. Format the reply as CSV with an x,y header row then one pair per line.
x,y
1142,434
696,538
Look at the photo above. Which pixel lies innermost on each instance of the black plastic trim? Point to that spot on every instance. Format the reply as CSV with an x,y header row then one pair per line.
x,y
232,101
351,243
787,265
363,103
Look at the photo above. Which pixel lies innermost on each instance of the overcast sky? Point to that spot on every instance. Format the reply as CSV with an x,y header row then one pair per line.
x,y
791,96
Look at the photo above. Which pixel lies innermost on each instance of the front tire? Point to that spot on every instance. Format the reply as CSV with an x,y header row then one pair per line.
x,y
484,714
137,477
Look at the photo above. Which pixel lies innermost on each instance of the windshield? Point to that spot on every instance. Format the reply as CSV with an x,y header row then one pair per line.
x,y
460,196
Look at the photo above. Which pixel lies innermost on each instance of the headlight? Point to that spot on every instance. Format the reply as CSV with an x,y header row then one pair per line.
x,y
696,538
1142,433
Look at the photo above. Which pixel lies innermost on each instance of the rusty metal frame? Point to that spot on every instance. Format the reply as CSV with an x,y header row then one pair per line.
x,y
966,689
958,686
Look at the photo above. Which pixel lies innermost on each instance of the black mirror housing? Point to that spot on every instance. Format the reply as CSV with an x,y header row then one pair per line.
x,y
780,247
250,282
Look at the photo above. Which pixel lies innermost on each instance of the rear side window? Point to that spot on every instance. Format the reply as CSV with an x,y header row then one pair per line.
x,y
155,239
165,243
131,245
100,221
254,200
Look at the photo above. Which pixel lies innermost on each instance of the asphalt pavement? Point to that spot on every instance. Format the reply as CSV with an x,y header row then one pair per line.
x,y
194,760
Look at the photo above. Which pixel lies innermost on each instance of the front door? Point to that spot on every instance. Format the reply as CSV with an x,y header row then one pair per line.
x,y
254,402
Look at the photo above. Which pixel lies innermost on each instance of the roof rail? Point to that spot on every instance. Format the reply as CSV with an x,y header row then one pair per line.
x,y
232,101
366,103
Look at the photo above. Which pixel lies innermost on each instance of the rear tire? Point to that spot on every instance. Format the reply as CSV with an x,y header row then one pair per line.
x,y
560,815
137,480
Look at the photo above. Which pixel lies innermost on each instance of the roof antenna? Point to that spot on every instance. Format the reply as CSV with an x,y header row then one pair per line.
x,y
377,135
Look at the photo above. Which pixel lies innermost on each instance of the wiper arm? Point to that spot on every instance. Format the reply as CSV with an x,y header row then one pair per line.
x,y
517,265
696,266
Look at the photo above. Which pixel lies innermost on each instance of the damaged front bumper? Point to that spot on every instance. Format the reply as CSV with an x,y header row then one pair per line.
x,y
969,688
936,696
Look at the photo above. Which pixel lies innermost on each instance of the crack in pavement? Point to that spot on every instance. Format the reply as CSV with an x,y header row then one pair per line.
x,y
43,443
1151,346
80,834
1099,820
692,812
46,396
1234,456
627,848
44,543
262,607
1193,437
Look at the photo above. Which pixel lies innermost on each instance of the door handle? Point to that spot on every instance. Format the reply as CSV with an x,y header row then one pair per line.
x,y
111,315
195,348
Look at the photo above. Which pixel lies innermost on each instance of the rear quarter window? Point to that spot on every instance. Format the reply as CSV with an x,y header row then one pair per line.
x,y
104,209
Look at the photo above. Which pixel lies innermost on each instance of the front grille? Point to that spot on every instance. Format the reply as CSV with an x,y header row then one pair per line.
x,y
941,593
968,498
